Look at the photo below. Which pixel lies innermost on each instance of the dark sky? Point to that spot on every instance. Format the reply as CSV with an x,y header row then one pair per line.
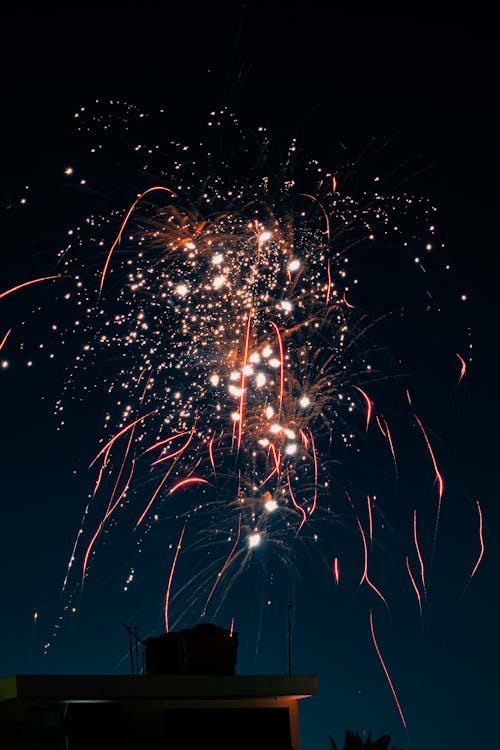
x,y
421,84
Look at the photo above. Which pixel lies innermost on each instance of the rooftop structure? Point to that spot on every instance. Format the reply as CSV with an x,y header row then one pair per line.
x,y
189,698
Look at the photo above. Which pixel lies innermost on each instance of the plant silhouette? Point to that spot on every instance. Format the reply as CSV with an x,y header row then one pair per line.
x,y
354,741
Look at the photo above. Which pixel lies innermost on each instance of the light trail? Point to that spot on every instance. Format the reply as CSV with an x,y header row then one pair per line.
x,y
393,691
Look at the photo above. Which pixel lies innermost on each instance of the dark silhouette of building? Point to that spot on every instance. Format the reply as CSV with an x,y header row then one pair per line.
x,y
189,698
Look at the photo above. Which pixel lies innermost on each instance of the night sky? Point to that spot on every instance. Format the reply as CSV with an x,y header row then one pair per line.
x,y
407,99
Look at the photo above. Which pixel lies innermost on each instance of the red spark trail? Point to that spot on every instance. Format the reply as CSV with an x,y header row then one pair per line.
x,y
167,440
315,458
282,361
154,495
346,303
415,587
211,453
463,369
99,477
108,513
336,570
2,342
243,378
415,539
178,452
167,595
369,406
386,671
277,459
27,283
146,385
387,434
391,445
188,480
119,434
370,520
329,287
481,539
127,450
439,478
124,223
226,564
365,577
299,507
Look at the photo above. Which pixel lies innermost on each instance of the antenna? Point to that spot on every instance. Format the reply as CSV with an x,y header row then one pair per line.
x,y
132,633
290,608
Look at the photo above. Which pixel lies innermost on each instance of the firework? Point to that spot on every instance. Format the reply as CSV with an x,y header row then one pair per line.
x,y
218,318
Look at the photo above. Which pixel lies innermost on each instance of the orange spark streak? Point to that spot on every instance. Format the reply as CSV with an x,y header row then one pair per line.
x,y
211,453
370,520
146,385
166,441
415,587
386,671
27,283
365,577
329,287
276,459
315,459
178,452
463,368
346,303
336,570
226,564
379,425
188,480
438,477
99,478
119,434
124,223
109,511
282,361
369,407
243,378
305,439
422,570
2,342
481,540
127,450
391,445
231,631
167,595
154,496
299,507
271,474
115,488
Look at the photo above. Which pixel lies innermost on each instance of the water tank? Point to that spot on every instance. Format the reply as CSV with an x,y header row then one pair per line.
x,y
205,649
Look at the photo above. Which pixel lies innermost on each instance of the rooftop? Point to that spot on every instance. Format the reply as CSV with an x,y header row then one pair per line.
x,y
113,687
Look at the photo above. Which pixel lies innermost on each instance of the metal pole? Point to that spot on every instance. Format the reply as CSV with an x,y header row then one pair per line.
x,y
136,650
290,607
128,629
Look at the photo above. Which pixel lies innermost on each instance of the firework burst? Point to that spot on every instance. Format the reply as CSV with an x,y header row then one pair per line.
x,y
218,317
